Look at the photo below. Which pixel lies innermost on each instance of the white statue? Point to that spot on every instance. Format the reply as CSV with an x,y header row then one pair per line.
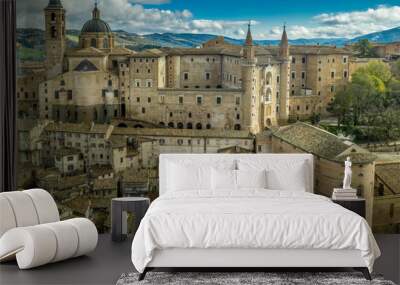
x,y
347,174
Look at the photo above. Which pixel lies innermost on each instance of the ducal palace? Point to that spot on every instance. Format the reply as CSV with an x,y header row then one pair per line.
x,y
216,86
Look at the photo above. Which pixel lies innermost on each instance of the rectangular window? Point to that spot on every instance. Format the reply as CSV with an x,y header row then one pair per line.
x,y
199,100
293,60
56,94
219,100
345,74
115,93
345,59
303,74
303,60
293,75
180,99
69,95
148,100
208,76
332,74
237,100
186,76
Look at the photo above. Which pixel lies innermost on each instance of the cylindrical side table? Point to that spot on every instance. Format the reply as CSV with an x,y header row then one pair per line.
x,y
119,208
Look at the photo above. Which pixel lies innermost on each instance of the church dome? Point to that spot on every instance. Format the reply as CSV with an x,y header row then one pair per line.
x,y
55,4
96,25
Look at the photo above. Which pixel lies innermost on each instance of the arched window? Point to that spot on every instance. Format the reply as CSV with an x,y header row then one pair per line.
x,y
180,125
53,16
93,43
105,43
162,124
171,124
237,127
122,125
189,126
199,126
208,126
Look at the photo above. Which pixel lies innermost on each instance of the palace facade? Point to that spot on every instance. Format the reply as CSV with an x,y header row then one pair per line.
x,y
216,86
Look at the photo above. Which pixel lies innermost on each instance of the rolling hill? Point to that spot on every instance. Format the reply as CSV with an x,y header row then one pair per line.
x,y
31,41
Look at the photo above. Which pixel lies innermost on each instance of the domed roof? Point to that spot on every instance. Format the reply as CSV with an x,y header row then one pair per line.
x,y
54,4
96,25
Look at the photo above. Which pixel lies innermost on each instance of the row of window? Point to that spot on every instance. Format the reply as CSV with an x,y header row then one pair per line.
x,y
180,125
333,74
77,135
207,76
199,99
147,83
144,60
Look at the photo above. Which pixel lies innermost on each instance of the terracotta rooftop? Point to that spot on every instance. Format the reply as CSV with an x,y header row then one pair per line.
x,y
78,128
321,143
169,132
100,184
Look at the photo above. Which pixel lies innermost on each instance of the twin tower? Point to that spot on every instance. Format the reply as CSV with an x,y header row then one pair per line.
x,y
251,80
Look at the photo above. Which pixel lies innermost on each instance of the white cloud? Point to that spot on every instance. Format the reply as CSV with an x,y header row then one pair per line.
x,y
345,24
130,16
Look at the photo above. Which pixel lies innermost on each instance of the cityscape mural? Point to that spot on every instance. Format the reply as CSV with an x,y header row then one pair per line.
x,y
105,87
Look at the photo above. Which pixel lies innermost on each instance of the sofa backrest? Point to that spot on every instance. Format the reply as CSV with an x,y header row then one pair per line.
x,y
232,160
26,208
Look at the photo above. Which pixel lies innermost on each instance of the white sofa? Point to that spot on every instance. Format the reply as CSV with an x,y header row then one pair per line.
x,y
31,230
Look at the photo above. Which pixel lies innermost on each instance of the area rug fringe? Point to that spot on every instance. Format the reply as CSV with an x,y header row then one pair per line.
x,y
244,278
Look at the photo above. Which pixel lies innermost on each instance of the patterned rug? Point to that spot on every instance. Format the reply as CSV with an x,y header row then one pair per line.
x,y
244,278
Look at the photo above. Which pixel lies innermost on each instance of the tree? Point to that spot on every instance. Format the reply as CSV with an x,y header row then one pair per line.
x,y
364,48
341,106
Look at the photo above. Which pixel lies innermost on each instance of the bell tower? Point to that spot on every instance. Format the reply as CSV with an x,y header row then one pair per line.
x,y
55,37
283,113
250,105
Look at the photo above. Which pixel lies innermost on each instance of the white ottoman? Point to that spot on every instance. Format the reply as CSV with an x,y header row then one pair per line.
x,y
31,232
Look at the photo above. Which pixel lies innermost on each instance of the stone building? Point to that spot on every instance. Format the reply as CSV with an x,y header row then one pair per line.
x,y
216,86
329,152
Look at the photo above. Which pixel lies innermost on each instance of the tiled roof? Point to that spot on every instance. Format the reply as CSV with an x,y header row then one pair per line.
x,y
308,49
389,173
169,132
100,184
234,149
231,50
321,143
85,52
117,141
78,128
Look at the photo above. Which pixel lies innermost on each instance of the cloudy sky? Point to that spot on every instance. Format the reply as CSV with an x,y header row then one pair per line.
x,y
305,19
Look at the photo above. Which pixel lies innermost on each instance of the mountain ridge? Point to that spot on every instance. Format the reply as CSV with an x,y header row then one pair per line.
x,y
31,41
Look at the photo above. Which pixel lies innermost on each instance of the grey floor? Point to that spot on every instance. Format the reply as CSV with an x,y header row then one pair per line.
x,y
110,260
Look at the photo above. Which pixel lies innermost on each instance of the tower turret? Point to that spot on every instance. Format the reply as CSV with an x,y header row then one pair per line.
x,y
250,106
283,111
55,37
284,44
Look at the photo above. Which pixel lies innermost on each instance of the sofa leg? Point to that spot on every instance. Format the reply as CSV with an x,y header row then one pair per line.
x,y
143,274
365,272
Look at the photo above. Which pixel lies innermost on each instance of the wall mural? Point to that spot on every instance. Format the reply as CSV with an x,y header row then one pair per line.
x,y
97,105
